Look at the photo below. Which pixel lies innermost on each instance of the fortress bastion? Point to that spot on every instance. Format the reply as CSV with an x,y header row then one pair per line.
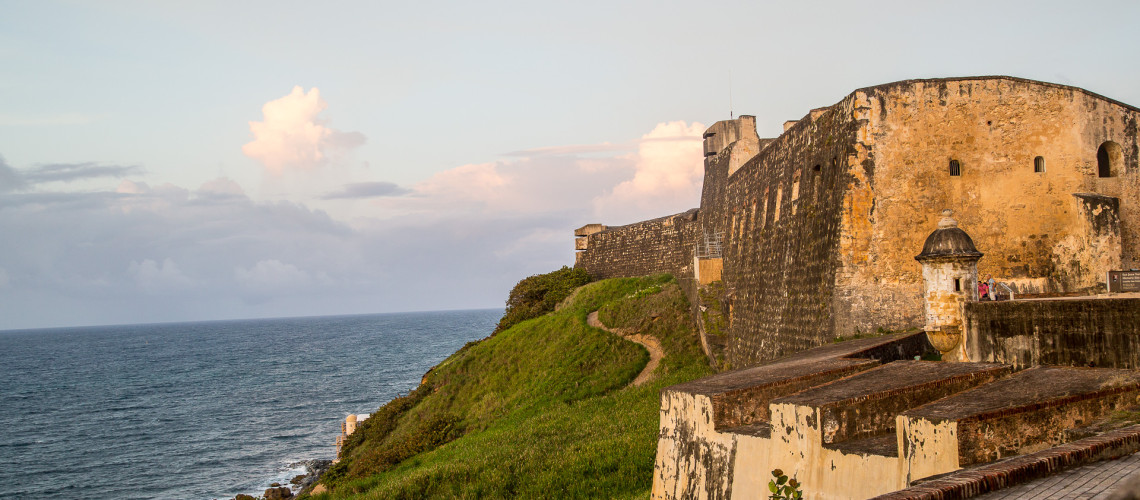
x,y
816,229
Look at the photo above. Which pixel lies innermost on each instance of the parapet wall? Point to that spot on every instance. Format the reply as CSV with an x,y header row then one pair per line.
x,y
1101,333
663,245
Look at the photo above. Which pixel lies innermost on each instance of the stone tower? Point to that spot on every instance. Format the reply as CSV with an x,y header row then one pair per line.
x,y
950,279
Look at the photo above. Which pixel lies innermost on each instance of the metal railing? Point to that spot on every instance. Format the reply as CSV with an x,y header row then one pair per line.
x,y
711,247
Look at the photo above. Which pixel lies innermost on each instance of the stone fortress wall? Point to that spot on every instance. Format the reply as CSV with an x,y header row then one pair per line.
x,y
649,247
820,225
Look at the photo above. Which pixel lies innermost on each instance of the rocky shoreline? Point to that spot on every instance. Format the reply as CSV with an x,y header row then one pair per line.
x,y
314,469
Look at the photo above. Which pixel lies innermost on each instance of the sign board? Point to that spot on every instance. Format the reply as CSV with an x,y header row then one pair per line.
x,y
1124,281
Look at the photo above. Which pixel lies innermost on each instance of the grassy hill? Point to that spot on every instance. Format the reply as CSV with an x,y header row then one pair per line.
x,y
542,409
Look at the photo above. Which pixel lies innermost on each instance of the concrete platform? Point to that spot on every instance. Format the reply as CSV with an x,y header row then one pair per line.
x,y
741,397
1091,455
866,404
1023,413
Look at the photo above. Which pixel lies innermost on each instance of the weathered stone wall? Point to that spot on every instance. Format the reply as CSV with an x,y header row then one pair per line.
x,y
1029,224
663,245
1071,332
830,252
780,214
821,225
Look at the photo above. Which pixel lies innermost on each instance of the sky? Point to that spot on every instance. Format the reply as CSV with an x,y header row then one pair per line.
x,y
204,160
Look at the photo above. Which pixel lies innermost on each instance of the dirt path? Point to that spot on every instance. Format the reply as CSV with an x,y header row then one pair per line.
x,y
649,342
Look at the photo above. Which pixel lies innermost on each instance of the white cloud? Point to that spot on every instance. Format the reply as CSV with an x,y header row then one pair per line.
x,y
458,239
128,186
482,182
291,135
152,277
662,176
220,188
271,276
669,169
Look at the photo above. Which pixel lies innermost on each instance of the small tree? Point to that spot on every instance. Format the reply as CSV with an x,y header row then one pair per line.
x,y
783,488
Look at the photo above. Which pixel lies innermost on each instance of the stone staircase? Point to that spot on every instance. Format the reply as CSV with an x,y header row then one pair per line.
x,y
863,418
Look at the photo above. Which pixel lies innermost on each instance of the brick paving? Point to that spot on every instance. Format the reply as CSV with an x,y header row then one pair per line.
x,y
1097,480
1096,455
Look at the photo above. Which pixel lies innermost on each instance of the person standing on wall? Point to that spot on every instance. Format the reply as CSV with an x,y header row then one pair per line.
x,y
991,285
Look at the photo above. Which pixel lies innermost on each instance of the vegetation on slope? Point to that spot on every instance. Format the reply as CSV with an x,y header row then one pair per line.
x,y
537,295
540,410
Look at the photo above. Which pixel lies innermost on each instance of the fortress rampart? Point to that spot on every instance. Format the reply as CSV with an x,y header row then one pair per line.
x,y
819,225
663,245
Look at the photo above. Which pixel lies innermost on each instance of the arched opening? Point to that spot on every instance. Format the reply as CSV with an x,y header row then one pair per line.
x,y
1039,164
955,168
1109,156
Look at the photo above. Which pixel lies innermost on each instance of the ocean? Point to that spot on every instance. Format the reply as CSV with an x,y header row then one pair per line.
x,y
202,410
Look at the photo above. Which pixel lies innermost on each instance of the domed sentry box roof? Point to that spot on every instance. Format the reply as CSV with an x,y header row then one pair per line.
x,y
948,241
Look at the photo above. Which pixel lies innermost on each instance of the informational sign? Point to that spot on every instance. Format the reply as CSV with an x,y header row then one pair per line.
x,y
1124,281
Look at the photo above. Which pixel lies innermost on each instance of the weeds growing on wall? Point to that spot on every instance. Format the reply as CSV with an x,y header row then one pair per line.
x,y
714,319
783,488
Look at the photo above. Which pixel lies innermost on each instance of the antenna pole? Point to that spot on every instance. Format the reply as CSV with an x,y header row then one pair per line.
x,y
730,115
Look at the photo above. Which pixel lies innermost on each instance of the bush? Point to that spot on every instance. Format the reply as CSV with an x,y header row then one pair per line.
x,y
537,295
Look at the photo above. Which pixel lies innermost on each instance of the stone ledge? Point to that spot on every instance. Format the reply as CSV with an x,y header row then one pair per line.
x,y
969,483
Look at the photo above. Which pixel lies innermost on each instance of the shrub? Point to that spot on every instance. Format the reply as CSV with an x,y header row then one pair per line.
x,y
537,295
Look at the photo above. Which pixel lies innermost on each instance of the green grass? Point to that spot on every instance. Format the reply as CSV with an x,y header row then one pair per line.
x,y
540,410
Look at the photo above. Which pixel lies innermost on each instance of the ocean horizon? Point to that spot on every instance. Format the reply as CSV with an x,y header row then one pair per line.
x,y
202,410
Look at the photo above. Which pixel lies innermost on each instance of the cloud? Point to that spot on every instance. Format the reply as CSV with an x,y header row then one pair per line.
x,y
366,190
68,172
271,276
153,277
292,137
98,199
669,169
574,149
221,188
10,179
131,187
460,239
480,182
661,174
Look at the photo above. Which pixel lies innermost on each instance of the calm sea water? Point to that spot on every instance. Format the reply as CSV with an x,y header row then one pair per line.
x,y
201,410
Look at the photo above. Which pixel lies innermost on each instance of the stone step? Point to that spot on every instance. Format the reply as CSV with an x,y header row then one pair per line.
x,y
1025,412
741,397
866,404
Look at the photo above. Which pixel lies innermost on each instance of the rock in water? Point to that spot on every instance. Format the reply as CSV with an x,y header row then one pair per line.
x,y
281,493
315,469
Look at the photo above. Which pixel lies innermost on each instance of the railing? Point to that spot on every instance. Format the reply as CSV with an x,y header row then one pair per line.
x,y
710,248
1007,289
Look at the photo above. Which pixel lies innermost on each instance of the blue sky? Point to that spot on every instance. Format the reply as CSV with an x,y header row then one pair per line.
x,y
168,161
